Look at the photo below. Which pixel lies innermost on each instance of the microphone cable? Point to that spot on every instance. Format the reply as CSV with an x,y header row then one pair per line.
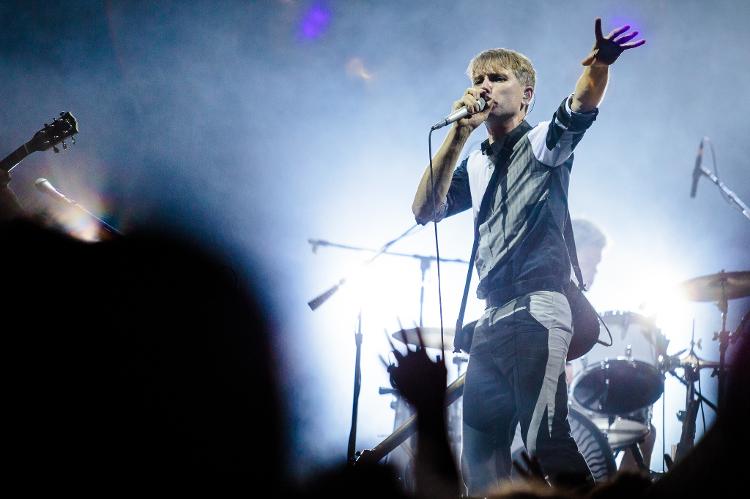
x,y
437,244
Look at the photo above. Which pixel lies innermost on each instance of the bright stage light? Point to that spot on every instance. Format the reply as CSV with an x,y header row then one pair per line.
x,y
356,67
664,303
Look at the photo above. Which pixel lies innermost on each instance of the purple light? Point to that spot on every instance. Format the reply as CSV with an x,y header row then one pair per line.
x,y
315,22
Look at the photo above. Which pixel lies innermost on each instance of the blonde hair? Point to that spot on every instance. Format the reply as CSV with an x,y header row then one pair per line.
x,y
507,59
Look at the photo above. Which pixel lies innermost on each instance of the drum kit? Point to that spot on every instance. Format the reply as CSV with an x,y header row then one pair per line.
x,y
613,389
610,396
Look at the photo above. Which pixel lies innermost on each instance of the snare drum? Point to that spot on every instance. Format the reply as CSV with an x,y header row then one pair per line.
x,y
622,378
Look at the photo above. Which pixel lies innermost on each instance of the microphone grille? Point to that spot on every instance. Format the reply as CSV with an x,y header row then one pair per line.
x,y
482,103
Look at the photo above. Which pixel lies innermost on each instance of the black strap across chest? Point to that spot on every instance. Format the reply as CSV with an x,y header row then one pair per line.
x,y
501,161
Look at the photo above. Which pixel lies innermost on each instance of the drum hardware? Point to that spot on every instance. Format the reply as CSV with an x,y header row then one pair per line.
x,y
625,377
691,364
687,435
622,430
719,288
460,360
638,457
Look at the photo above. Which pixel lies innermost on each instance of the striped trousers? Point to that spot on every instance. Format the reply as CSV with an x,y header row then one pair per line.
x,y
516,374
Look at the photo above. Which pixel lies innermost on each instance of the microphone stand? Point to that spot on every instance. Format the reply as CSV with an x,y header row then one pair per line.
x,y
111,231
730,196
350,454
45,187
425,261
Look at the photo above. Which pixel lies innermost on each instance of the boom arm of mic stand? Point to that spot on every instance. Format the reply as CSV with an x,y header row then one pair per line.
x,y
736,201
104,225
323,297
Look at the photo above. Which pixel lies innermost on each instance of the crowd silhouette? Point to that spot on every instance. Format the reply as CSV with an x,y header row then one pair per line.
x,y
143,364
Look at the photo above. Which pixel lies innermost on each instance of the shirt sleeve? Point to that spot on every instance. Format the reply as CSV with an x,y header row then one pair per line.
x,y
459,195
553,141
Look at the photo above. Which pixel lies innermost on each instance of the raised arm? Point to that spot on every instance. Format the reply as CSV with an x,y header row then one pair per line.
x,y
592,84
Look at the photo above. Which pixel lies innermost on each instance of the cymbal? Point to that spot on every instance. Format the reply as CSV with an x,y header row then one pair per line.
x,y
430,336
718,287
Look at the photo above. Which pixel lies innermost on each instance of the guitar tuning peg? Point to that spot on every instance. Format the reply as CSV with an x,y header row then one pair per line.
x,y
62,113
72,140
65,146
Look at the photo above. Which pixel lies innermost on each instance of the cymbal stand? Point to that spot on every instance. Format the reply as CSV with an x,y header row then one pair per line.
x,y
693,399
687,436
723,336
696,393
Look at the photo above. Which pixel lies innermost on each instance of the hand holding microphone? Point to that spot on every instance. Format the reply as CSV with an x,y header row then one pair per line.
x,y
470,110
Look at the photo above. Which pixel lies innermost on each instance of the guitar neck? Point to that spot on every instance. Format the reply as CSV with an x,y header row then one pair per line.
x,y
409,427
15,157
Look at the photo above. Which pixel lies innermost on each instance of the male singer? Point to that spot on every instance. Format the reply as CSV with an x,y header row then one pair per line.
x,y
516,371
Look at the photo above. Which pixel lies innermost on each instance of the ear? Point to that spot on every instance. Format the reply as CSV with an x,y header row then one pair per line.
x,y
528,95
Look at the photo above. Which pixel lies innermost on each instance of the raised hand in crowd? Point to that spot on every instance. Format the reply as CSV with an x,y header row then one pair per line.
x,y
422,382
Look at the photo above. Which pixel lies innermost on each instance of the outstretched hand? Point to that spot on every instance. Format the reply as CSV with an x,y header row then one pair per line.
x,y
419,379
608,48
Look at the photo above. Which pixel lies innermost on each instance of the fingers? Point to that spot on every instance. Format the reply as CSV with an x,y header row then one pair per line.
x,y
396,353
632,45
598,28
404,338
470,99
626,38
421,340
387,365
617,32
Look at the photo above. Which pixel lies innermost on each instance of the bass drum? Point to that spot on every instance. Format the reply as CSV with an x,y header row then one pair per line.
x,y
592,444
625,376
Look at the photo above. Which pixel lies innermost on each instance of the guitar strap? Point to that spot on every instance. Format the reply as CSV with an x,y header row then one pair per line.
x,y
501,166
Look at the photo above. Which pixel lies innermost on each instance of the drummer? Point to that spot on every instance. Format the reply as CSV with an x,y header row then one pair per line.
x,y
590,245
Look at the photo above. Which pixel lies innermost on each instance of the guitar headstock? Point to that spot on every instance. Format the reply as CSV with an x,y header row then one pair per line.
x,y
55,133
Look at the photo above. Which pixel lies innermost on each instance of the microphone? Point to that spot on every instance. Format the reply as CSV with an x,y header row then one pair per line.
x,y
458,114
45,187
697,170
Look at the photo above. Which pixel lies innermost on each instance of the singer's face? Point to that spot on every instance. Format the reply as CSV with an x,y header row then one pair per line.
x,y
502,91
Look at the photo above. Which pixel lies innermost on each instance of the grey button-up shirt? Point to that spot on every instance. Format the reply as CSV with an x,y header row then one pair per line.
x,y
521,246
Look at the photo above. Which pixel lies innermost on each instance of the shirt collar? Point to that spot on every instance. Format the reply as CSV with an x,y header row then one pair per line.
x,y
509,140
